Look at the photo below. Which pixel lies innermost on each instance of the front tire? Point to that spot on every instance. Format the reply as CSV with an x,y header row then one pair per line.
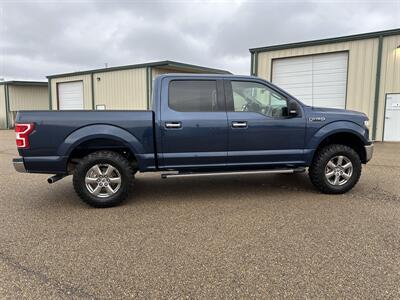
x,y
103,179
335,169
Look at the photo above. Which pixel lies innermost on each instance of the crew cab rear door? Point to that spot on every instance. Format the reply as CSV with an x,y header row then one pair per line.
x,y
193,123
261,132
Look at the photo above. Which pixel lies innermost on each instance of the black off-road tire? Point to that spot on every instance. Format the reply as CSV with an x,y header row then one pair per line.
x,y
316,171
103,157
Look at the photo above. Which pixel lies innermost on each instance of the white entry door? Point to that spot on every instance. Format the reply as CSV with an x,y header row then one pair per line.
x,y
392,118
70,95
316,80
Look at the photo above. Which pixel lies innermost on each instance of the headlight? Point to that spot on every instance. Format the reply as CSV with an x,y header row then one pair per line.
x,y
366,123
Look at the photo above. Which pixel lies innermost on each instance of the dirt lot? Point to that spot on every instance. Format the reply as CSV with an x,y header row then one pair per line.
x,y
257,236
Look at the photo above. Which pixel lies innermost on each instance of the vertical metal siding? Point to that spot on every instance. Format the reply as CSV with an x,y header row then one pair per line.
x,y
3,118
361,69
390,77
123,89
24,97
87,90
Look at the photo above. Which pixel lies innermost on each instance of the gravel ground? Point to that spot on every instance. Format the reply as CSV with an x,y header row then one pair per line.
x,y
257,236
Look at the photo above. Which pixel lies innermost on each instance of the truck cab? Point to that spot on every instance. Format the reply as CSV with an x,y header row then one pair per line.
x,y
237,122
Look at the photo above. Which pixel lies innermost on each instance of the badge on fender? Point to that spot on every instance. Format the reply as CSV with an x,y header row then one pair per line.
x,y
317,119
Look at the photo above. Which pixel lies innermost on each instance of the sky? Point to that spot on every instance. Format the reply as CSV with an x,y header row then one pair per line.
x,y
40,38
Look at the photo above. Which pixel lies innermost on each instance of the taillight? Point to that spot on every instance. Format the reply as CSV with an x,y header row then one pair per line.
x,y
22,132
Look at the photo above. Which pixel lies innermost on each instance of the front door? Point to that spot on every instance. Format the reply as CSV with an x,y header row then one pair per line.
x,y
392,118
261,132
194,128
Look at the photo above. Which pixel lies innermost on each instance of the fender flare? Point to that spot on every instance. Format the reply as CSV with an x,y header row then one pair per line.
x,y
99,131
331,129
336,127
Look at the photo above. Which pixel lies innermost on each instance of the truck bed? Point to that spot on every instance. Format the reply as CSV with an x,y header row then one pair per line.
x,y
54,131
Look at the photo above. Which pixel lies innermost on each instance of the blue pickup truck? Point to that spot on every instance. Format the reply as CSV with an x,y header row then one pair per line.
x,y
199,125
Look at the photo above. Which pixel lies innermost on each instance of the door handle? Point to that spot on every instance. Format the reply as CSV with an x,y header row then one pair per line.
x,y
174,125
239,124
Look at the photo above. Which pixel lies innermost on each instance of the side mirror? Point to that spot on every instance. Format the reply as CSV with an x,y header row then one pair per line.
x,y
293,109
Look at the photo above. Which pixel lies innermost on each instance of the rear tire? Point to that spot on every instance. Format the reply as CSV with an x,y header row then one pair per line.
x,y
335,169
103,179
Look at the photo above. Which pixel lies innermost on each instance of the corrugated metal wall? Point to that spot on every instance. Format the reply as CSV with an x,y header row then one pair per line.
x,y
87,89
3,120
390,77
123,89
22,97
361,69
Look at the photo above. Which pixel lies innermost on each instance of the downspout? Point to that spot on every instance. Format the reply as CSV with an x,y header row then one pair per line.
x,y
255,63
92,86
151,87
251,63
7,102
377,87
50,100
149,80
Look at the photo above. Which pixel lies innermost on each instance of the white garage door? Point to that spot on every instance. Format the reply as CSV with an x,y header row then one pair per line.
x,y
70,95
317,80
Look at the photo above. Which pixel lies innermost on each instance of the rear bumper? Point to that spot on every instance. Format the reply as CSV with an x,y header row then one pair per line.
x,y
369,151
41,164
19,165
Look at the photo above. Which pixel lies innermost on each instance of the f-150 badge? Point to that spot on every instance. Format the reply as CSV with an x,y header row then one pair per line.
x,y
317,119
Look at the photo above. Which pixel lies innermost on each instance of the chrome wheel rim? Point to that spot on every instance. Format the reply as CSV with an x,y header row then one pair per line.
x,y
103,180
338,170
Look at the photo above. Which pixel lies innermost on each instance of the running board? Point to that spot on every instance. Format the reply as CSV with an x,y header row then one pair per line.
x,y
275,171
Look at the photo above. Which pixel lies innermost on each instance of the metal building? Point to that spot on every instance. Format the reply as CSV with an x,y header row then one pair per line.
x,y
125,87
357,72
21,95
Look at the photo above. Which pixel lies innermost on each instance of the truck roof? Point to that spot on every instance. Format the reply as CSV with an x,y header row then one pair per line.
x,y
192,75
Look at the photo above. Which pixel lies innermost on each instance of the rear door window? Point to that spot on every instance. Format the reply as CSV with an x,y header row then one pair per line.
x,y
193,95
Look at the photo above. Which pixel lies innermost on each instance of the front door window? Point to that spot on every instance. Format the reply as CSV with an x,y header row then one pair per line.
x,y
255,97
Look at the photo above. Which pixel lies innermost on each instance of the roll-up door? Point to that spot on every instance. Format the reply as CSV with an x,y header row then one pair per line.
x,y
70,95
317,80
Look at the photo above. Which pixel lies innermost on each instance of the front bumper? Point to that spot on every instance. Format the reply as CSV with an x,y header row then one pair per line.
x,y
369,151
19,165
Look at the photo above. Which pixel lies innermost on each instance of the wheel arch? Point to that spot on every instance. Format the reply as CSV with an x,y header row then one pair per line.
x,y
100,137
345,138
344,133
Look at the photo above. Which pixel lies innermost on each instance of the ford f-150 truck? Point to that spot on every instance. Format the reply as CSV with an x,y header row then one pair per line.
x,y
198,125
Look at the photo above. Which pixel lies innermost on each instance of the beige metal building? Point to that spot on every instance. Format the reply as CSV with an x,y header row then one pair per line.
x,y
358,72
21,95
125,87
